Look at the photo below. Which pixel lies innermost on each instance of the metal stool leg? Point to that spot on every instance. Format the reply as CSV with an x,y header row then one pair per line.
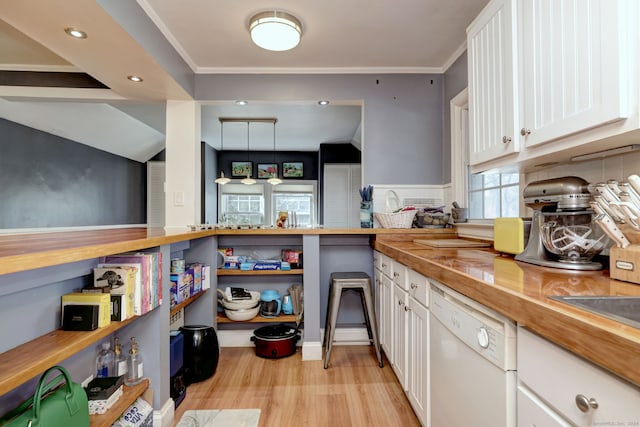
x,y
370,309
333,320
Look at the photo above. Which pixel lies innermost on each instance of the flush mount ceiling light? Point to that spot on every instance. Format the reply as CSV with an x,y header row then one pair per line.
x,y
136,79
323,102
74,32
275,30
242,102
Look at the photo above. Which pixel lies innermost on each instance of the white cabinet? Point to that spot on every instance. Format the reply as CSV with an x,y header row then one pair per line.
x,y
340,196
399,350
492,81
384,304
418,346
572,68
557,388
550,79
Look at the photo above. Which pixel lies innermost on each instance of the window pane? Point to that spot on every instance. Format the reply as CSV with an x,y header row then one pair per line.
x,y
475,182
492,203
475,205
510,178
510,201
491,180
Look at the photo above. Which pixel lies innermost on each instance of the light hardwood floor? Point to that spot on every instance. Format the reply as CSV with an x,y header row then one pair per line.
x,y
354,391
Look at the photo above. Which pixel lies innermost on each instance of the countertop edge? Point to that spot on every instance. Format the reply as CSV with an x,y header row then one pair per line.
x,y
602,341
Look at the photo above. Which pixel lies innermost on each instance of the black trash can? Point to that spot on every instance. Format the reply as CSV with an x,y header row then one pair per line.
x,y
201,352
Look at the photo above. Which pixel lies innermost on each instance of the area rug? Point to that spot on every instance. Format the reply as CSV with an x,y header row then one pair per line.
x,y
220,418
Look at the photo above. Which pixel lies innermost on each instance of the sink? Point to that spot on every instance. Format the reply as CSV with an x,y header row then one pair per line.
x,y
619,308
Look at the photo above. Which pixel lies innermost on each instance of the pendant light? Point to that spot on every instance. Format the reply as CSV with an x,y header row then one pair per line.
x,y
274,180
223,179
248,180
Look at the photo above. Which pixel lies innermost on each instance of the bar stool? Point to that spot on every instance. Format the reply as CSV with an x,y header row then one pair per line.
x,y
361,283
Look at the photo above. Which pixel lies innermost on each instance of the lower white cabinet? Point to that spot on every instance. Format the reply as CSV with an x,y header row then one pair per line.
x,y
399,345
384,305
418,359
558,388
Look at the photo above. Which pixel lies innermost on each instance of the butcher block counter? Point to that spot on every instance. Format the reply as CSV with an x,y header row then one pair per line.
x,y
521,292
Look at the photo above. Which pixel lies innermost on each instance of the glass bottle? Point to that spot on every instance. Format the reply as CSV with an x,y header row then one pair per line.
x,y
134,365
121,360
105,362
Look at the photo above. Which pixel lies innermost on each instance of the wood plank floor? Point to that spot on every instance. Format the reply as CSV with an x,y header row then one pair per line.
x,y
354,391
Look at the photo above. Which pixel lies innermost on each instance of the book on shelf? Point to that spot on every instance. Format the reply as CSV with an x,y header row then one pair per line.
x,y
148,294
102,300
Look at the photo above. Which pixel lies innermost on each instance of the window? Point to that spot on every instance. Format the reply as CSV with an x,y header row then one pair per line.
x,y
260,203
493,195
295,198
242,204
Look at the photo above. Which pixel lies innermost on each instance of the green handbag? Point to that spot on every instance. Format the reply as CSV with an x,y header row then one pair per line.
x,y
54,404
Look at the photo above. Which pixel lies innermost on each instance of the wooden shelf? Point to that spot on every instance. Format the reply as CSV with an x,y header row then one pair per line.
x,y
186,302
31,359
129,395
283,318
225,272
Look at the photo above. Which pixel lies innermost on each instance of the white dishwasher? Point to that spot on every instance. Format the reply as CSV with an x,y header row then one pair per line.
x,y
473,363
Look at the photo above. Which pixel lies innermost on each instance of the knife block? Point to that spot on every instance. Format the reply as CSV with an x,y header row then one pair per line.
x,y
625,263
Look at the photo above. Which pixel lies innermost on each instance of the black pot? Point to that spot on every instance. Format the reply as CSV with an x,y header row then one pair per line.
x,y
275,341
201,352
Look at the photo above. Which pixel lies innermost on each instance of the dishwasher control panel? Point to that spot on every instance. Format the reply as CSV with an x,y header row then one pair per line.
x,y
485,331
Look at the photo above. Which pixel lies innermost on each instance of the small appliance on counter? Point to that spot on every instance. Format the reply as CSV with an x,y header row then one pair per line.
x,y
563,233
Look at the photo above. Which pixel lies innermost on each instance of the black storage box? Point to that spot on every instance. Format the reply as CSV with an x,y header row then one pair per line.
x,y
80,317
102,388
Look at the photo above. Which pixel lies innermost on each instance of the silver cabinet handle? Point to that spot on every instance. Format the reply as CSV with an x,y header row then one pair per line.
x,y
384,265
413,285
396,274
525,131
584,403
506,139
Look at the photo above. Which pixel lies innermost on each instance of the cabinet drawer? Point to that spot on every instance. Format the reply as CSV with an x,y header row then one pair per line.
x,y
559,377
400,275
419,287
385,264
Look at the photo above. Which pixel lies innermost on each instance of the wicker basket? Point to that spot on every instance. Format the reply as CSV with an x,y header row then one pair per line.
x,y
402,219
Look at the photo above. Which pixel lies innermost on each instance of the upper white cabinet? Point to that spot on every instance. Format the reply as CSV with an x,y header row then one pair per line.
x,y
550,79
492,66
572,67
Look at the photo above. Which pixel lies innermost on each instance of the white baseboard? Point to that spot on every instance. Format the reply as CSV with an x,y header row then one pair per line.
x,y
343,336
164,416
312,350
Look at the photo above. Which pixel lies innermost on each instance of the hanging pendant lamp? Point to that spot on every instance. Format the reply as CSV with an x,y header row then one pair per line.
x,y
248,180
222,180
274,180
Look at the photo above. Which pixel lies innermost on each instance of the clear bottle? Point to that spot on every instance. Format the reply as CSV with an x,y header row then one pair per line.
x,y
105,362
134,365
121,360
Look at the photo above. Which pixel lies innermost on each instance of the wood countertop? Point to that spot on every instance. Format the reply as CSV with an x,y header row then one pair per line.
x,y
21,252
521,292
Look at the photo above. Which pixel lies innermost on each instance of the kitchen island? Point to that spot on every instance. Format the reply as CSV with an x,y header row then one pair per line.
x,y
521,292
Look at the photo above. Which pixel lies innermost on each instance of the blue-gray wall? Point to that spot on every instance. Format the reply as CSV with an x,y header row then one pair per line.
x,y
402,115
49,181
455,80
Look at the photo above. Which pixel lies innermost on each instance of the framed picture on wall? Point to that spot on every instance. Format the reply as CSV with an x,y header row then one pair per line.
x,y
292,169
241,169
267,170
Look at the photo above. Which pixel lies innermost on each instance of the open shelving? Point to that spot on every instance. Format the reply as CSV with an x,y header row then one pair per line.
x,y
230,272
186,302
129,395
283,318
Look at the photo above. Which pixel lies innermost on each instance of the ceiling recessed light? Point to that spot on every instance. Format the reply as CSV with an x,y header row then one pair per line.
x,y
323,102
74,32
242,102
136,79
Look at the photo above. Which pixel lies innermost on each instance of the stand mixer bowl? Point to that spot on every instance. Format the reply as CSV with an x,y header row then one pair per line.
x,y
573,236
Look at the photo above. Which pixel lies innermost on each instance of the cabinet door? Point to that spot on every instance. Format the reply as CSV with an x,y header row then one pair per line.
x,y
418,359
387,311
572,69
399,334
492,95
532,412
341,200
